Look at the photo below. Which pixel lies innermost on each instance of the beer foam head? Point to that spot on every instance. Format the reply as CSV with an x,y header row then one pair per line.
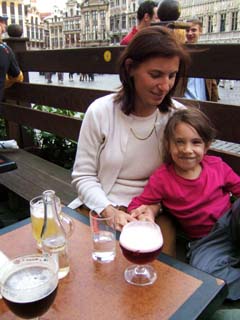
x,y
29,284
141,236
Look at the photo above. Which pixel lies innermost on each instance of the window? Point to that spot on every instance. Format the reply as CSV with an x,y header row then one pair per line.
x,y
117,21
124,25
234,20
86,16
12,12
94,18
102,18
222,22
4,8
111,24
210,24
20,10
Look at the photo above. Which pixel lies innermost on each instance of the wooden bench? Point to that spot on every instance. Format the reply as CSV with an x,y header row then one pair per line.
x,y
35,174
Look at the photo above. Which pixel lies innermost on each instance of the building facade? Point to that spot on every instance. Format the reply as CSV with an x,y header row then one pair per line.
x,y
14,10
221,19
34,27
53,26
104,22
95,23
72,24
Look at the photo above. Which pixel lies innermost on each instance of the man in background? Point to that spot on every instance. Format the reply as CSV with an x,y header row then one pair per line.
x,y
146,14
196,88
9,69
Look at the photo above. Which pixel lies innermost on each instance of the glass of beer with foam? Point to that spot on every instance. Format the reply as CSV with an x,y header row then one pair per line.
x,y
141,242
29,285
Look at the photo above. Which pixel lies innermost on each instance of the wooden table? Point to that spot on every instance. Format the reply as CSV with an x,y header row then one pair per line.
x,y
99,291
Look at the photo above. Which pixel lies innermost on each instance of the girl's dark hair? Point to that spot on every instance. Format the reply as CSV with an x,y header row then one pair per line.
x,y
193,117
150,42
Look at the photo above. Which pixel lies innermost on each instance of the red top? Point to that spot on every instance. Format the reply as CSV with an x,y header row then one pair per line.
x,y
129,36
197,204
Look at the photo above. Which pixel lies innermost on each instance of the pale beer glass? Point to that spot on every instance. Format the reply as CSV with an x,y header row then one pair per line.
x,y
37,218
29,285
141,242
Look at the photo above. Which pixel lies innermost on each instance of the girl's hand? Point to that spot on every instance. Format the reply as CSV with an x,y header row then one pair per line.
x,y
146,212
121,217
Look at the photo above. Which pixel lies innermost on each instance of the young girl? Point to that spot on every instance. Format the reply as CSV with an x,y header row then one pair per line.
x,y
196,189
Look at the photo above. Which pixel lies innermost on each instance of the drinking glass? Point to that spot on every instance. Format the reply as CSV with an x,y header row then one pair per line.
x,y
37,218
103,236
141,242
29,285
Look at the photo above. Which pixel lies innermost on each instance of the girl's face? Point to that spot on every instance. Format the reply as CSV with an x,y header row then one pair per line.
x,y
153,79
187,150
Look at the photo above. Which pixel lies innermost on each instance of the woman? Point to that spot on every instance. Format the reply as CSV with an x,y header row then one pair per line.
x,y
120,140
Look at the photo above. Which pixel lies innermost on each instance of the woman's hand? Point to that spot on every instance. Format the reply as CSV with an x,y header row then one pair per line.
x,y
121,217
146,212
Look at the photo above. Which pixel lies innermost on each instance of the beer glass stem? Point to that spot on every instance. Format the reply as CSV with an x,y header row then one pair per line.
x,y
140,269
140,275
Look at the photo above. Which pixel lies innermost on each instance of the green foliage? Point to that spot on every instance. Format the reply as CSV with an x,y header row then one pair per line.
x,y
55,149
58,150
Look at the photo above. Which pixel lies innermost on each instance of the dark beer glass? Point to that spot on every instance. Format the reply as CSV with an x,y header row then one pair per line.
x,y
141,242
29,285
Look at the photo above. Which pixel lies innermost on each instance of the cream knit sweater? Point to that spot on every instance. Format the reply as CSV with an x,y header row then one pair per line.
x,y
105,130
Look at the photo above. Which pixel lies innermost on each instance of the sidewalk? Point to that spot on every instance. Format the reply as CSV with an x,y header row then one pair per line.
x,y
101,82
229,96
111,82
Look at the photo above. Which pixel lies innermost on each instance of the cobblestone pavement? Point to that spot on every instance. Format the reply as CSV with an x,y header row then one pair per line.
x,y
111,82
229,96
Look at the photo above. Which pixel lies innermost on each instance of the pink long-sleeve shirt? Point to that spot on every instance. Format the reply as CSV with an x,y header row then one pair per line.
x,y
197,204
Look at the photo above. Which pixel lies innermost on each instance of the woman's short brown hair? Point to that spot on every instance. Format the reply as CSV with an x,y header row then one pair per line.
x,y
150,42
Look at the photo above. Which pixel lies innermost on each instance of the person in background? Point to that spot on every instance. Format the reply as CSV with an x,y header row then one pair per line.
x,y
196,88
9,68
146,13
60,77
196,189
120,139
70,76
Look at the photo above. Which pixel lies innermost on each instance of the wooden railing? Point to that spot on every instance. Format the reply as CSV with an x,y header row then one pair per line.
x,y
209,61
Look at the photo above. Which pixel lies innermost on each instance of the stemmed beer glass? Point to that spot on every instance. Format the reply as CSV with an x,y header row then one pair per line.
x,y
29,285
141,242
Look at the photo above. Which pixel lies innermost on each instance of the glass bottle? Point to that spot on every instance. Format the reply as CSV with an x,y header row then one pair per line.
x,y
53,236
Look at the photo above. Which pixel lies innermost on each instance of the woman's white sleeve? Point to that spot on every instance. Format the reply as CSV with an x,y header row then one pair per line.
x,y
85,171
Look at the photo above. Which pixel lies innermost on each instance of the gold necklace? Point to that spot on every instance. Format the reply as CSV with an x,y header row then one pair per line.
x,y
150,133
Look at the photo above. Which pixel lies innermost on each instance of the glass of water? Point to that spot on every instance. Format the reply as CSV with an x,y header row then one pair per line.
x,y
103,236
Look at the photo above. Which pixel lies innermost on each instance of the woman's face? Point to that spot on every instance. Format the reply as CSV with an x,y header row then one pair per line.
x,y
153,79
